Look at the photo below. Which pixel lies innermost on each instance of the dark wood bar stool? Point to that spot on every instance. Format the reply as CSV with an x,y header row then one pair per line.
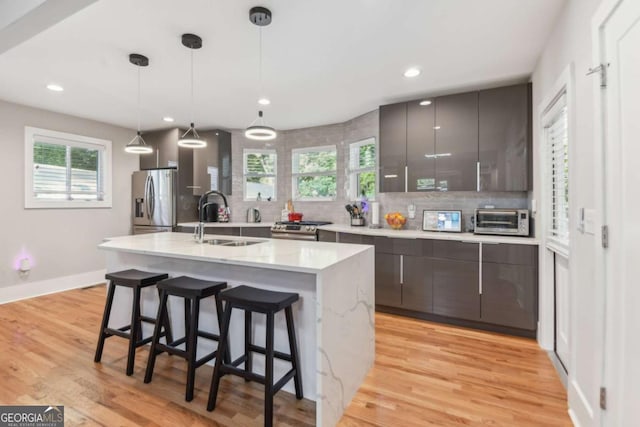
x,y
192,291
267,302
136,280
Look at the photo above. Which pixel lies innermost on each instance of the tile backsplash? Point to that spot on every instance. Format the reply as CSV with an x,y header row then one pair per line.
x,y
341,135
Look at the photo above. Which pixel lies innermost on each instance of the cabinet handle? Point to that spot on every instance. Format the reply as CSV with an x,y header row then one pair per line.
x,y
480,269
467,241
478,176
401,269
406,178
193,186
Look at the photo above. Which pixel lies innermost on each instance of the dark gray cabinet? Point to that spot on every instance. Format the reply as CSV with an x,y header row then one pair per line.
x,y
421,146
256,232
358,239
510,285
456,144
327,236
403,273
393,147
456,279
505,138
193,164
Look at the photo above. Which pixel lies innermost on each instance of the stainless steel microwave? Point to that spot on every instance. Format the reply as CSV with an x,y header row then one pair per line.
x,y
508,222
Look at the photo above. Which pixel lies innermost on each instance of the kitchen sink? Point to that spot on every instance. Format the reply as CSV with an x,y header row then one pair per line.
x,y
222,242
242,242
217,241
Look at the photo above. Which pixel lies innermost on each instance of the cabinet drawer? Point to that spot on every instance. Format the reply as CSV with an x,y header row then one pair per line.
x,y
327,236
456,250
256,231
414,247
506,253
358,239
225,231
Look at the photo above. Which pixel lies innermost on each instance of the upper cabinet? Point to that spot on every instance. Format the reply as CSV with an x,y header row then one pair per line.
x,y
421,146
475,141
393,152
457,142
199,169
505,138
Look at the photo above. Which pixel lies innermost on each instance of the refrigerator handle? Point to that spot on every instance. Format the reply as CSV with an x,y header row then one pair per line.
x,y
152,199
146,195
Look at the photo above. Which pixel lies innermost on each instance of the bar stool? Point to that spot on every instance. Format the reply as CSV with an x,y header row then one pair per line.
x,y
261,301
136,280
192,291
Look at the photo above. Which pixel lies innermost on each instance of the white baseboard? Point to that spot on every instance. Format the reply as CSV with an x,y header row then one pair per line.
x,y
574,418
50,286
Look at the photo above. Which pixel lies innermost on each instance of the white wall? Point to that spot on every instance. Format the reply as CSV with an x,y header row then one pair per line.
x,y
61,242
570,43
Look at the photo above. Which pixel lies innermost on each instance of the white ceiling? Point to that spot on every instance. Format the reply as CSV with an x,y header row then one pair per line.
x,y
324,61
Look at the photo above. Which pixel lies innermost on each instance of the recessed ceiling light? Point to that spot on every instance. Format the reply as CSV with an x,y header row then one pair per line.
x,y
425,102
412,72
168,119
264,101
54,87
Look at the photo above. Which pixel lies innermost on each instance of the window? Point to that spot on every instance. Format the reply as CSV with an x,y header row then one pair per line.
x,y
260,168
66,171
362,169
314,173
557,147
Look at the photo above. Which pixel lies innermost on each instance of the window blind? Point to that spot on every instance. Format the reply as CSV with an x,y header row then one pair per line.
x,y
557,138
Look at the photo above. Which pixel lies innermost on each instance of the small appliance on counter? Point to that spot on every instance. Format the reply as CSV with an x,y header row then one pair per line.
x,y
450,221
505,222
253,215
298,230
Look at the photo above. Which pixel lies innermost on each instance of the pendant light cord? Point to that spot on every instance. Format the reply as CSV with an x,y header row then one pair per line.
x,y
192,108
260,61
139,99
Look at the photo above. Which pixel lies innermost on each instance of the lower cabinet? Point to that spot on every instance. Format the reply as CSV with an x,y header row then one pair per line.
x,y
388,287
417,283
256,231
326,236
456,289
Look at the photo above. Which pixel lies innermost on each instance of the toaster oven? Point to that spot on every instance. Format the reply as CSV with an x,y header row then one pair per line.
x,y
508,222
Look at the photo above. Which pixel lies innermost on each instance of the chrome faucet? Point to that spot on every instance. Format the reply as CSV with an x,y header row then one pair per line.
x,y
202,203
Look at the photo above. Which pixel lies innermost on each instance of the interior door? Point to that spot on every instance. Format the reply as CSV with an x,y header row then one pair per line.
x,y
620,42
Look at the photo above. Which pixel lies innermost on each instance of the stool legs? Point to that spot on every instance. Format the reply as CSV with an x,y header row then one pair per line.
x,y
192,347
168,334
157,332
222,347
105,322
268,373
248,358
295,356
135,328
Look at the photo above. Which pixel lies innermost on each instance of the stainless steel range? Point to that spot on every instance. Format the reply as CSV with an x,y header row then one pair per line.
x,y
302,230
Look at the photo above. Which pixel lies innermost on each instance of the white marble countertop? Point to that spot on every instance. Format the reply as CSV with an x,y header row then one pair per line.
x,y
419,234
279,254
227,224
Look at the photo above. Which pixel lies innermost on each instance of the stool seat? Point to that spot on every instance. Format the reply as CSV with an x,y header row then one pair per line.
x,y
259,300
190,287
135,278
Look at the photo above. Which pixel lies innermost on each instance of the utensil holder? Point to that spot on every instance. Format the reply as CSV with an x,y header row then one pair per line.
x,y
357,222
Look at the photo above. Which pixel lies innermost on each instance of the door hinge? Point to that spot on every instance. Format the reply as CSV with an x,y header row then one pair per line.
x,y
603,398
605,236
602,70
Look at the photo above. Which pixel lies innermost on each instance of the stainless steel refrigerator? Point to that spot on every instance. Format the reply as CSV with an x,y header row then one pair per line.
x,y
154,200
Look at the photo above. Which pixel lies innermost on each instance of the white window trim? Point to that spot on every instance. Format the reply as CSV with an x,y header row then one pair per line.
x,y
31,202
245,175
354,170
295,175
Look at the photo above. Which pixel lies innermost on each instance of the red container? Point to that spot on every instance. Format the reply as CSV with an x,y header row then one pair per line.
x,y
295,216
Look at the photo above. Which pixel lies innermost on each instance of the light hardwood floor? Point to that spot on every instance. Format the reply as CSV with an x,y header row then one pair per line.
x,y
425,374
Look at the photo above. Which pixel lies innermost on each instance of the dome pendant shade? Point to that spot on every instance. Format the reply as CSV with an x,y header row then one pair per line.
x,y
191,139
260,132
138,146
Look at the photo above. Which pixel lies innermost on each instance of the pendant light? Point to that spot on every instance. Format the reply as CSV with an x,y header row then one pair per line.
x,y
190,138
257,130
137,144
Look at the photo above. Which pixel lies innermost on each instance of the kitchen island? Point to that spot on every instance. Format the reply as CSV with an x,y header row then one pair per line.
x,y
334,318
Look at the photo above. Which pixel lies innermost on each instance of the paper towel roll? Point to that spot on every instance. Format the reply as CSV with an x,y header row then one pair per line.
x,y
375,213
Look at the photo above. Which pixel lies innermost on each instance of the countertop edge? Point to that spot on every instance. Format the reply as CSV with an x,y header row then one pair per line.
x,y
227,224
